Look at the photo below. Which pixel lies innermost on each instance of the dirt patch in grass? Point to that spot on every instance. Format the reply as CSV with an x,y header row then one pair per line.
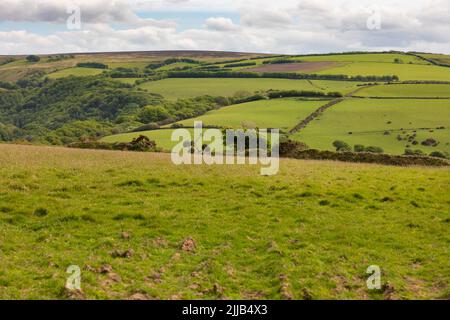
x,y
301,67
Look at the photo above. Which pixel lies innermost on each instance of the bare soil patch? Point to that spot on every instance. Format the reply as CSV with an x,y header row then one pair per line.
x,y
302,67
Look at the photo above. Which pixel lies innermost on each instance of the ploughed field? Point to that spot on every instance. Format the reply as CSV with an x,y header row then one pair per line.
x,y
138,226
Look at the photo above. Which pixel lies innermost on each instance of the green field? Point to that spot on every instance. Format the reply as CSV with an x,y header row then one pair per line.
x,y
281,114
369,119
188,88
370,57
76,71
308,233
403,71
407,90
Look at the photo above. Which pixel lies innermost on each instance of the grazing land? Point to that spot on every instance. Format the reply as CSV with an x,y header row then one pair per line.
x,y
188,88
76,72
403,71
303,67
407,90
378,122
220,232
283,114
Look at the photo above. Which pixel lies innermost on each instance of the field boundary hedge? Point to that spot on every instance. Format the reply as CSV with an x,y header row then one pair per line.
x,y
314,115
366,157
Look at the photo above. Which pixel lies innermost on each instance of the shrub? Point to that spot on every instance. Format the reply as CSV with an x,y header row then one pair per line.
x,y
374,149
341,146
147,127
96,65
33,58
410,152
359,148
153,114
176,126
438,154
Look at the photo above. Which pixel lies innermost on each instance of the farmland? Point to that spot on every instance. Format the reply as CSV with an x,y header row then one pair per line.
x,y
139,226
76,72
283,114
62,207
379,122
403,71
408,90
186,88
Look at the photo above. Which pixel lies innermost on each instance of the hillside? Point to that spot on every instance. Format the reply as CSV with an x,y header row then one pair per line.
x,y
135,223
63,98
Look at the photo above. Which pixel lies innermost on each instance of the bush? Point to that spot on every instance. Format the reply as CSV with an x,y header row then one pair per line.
x,y
147,127
374,149
359,148
410,152
33,58
153,114
96,65
438,154
341,146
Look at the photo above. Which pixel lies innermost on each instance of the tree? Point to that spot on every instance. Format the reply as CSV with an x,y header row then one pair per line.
x,y
33,58
341,146
153,114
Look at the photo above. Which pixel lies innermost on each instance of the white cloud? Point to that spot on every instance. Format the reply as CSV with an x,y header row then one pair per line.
x,y
220,24
283,26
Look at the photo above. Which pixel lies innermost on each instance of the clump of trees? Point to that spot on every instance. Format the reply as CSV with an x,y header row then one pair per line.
x,y
96,65
170,61
342,146
241,64
301,93
33,58
278,75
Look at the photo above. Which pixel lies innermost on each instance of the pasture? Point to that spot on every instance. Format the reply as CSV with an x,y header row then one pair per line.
x,y
217,232
403,71
407,90
378,122
189,88
281,114
76,72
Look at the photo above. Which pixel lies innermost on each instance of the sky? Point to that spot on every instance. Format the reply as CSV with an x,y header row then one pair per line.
x,y
259,26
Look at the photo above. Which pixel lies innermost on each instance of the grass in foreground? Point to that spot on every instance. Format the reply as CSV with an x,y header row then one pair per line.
x,y
368,120
309,232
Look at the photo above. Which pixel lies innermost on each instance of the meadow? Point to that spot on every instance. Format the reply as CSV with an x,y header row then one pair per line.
x,y
403,71
282,114
136,224
76,72
407,90
189,88
378,122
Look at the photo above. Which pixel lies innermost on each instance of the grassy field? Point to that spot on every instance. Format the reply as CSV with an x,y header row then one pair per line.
x,y
369,119
403,71
76,71
281,114
408,90
370,57
188,88
308,233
